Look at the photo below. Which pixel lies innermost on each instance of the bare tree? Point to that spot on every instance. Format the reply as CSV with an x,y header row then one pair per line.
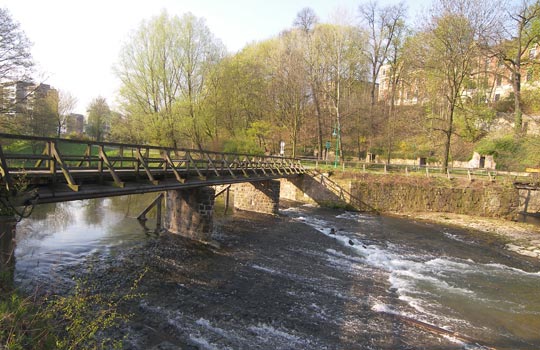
x,y
66,104
512,52
306,20
447,50
381,25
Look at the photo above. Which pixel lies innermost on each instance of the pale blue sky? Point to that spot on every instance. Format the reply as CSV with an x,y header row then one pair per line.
x,y
76,43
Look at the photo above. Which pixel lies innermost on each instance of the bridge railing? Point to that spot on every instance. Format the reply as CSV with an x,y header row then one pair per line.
x,y
66,160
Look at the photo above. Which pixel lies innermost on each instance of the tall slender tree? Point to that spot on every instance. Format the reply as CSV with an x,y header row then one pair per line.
x,y
99,115
164,70
447,50
66,105
512,51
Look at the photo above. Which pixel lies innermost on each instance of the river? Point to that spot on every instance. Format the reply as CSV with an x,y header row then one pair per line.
x,y
312,278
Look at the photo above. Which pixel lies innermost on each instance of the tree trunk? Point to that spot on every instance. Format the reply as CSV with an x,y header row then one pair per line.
x,y
518,114
448,140
319,123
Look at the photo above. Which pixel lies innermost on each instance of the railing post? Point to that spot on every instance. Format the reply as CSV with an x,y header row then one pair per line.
x,y
52,161
100,164
4,170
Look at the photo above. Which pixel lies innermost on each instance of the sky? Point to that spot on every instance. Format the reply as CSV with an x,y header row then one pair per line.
x,y
76,43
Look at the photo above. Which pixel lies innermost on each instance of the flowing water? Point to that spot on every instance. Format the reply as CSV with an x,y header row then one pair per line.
x,y
444,277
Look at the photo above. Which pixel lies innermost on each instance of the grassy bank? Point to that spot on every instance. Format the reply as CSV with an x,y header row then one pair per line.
x,y
74,321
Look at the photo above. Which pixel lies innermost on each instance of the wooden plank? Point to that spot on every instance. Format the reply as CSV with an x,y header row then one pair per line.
x,y
168,160
63,167
142,162
192,162
106,161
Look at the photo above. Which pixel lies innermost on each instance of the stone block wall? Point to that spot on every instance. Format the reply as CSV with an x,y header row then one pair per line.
x,y
260,196
404,195
308,189
190,212
529,201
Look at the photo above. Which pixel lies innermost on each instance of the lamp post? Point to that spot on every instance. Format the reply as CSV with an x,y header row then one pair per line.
x,y
337,135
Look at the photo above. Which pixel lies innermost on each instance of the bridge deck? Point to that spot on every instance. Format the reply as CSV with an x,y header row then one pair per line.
x,y
64,170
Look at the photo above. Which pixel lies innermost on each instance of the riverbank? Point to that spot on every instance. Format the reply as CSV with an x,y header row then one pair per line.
x,y
287,281
518,237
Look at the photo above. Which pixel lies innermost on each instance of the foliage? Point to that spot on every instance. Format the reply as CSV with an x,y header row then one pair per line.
x,y
164,69
512,153
99,115
530,98
76,321
473,121
14,49
23,324
506,104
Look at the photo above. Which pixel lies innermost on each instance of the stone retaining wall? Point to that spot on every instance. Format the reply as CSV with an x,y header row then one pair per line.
x,y
490,200
396,193
260,196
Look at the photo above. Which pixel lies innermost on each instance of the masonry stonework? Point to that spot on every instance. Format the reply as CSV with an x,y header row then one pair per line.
x,y
260,196
190,212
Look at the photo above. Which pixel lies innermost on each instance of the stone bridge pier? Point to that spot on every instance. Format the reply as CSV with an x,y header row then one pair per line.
x,y
190,212
260,196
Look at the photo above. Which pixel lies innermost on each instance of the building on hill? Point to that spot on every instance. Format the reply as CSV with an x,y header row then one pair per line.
x,y
74,124
492,80
21,97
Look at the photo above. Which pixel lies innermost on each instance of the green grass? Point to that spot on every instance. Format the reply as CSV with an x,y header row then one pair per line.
x,y
74,321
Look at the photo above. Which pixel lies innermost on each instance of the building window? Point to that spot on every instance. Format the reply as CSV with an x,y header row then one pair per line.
x,y
499,80
529,75
497,97
532,53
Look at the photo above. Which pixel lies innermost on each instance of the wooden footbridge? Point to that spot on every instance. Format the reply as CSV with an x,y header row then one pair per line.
x,y
35,170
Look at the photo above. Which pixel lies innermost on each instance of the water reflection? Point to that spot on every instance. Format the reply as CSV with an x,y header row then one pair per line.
x,y
63,234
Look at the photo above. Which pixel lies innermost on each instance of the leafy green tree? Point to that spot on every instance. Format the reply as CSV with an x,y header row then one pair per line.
x,y
99,115
15,56
164,70
340,47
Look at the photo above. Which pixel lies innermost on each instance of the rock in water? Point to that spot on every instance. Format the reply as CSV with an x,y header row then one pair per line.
x,y
332,231
351,242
